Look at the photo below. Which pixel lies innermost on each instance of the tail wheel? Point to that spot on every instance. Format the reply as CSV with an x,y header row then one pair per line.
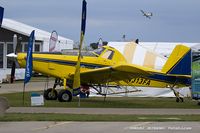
x,y
50,94
65,96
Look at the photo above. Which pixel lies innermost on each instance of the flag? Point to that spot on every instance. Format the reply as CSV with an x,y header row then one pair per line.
x,y
100,43
53,40
76,81
1,15
29,63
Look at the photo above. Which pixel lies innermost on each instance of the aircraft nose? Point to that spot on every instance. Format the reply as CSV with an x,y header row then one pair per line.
x,y
12,55
21,59
21,56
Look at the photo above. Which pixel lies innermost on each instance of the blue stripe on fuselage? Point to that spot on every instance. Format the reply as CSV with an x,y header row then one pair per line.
x,y
70,63
155,76
170,79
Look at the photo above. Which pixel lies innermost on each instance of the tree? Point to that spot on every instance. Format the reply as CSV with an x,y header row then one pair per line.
x,y
94,45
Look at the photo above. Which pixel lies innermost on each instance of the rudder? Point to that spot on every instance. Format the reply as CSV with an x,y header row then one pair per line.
x,y
179,62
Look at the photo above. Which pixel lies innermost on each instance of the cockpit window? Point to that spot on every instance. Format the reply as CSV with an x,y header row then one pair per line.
x,y
108,54
99,51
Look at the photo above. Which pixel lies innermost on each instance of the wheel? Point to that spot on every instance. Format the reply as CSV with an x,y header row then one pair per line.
x,y
198,103
182,100
65,96
177,100
50,94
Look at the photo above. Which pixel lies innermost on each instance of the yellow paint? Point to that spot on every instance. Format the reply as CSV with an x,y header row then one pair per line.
x,y
129,51
177,54
99,70
149,60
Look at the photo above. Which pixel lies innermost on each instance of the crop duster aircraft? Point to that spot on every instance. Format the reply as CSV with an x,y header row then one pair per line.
x,y
106,66
147,14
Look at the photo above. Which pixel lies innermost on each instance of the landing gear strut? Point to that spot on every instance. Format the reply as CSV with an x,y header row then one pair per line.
x,y
64,95
50,94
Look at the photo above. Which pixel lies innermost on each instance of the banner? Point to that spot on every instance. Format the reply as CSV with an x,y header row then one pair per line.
x,y
1,15
76,82
29,62
100,43
53,40
196,75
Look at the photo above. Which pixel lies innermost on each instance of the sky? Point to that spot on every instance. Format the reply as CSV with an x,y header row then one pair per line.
x,y
172,21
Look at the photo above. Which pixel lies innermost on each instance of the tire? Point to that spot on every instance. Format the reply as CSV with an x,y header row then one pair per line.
x,y
177,100
50,94
64,96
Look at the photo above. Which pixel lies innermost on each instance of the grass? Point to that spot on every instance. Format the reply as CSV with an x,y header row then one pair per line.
x,y
15,100
81,117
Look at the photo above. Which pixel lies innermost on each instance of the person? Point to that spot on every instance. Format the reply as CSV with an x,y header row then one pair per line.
x,y
86,90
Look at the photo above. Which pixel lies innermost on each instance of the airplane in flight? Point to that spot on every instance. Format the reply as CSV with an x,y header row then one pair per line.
x,y
104,67
147,14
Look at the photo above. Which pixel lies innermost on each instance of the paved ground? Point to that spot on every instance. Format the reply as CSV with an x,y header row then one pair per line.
x,y
122,111
18,87
100,127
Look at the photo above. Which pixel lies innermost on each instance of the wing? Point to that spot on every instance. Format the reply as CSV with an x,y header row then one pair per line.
x,y
113,74
148,17
142,11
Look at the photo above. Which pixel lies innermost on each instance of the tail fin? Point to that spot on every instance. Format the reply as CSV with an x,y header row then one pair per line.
x,y
179,62
1,15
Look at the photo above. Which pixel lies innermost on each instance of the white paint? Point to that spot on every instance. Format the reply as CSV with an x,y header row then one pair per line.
x,y
139,55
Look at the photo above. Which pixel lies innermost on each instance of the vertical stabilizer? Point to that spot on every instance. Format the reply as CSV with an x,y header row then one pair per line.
x,y
179,62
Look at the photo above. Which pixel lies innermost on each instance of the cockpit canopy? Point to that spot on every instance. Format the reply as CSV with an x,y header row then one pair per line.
x,y
104,52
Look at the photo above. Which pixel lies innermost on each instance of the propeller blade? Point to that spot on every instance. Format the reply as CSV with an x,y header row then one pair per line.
x,y
12,77
13,56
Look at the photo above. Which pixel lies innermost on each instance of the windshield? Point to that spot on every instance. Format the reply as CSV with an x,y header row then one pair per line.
x,y
99,51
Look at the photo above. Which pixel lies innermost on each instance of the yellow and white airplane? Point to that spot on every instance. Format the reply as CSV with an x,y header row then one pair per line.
x,y
107,66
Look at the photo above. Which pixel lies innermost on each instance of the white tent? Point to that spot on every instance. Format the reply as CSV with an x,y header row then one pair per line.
x,y
160,50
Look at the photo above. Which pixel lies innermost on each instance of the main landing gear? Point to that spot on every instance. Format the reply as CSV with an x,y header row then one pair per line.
x,y
50,94
64,95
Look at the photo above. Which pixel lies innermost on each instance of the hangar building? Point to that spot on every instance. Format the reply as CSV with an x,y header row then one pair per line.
x,y
10,28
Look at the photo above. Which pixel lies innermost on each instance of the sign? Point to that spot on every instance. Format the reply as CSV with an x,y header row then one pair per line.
x,y
53,40
196,75
37,99
29,62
